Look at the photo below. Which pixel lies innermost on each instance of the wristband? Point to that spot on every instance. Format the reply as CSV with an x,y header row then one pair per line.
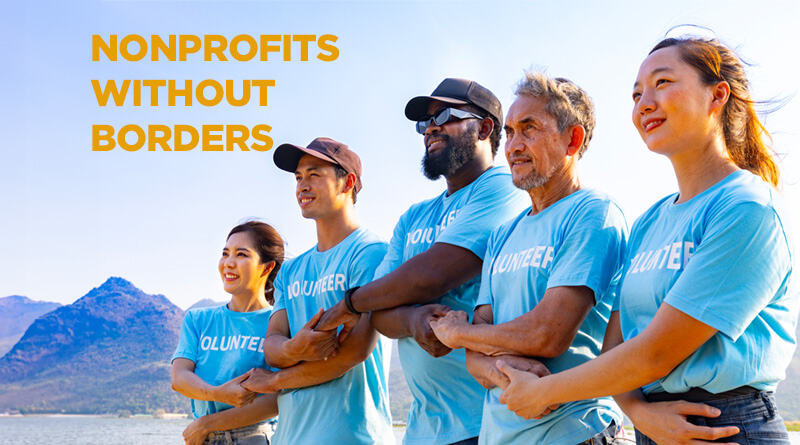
x,y
348,300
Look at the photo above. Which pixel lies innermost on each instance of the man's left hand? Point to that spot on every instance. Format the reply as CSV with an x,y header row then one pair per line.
x,y
447,328
337,315
260,381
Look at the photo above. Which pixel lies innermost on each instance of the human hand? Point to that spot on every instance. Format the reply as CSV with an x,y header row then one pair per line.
x,y
196,433
526,364
337,315
447,327
666,423
523,394
260,381
310,344
420,327
232,392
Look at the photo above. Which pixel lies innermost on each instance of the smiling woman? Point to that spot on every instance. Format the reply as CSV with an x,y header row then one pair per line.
x,y
706,302
220,345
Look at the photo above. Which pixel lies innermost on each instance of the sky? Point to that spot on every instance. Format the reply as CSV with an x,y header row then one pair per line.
x,y
71,217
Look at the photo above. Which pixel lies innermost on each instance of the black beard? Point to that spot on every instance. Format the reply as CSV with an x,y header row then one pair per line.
x,y
459,151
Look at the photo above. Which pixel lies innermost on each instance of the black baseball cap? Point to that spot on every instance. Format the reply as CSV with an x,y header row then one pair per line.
x,y
456,92
287,156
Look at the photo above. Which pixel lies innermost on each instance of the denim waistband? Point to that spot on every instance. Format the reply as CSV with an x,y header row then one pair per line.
x,y
699,395
238,433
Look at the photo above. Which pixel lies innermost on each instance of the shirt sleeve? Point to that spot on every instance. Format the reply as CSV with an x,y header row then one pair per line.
x,y
493,202
362,267
188,339
485,292
278,293
737,268
394,255
592,250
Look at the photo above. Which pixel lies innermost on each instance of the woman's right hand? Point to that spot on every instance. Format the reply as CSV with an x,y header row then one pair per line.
x,y
232,393
311,345
666,424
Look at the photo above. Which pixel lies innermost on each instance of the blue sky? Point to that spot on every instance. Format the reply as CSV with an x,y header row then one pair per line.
x,y
72,217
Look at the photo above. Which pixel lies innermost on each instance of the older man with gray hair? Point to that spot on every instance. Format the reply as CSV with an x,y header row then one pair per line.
x,y
548,275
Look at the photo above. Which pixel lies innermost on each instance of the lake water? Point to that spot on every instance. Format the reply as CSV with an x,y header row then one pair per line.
x,y
99,430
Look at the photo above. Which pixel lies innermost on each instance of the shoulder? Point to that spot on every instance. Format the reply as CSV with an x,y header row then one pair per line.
x,y
367,242
201,315
497,179
590,203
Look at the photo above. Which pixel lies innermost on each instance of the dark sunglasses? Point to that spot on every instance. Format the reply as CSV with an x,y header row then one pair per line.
x,y
443,116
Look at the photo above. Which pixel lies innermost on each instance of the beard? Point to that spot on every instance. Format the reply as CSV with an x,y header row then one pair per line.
x,y
459,151
531,181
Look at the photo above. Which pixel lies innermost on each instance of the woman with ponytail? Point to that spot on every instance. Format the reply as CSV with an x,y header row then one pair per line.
x,y
704,324
218,346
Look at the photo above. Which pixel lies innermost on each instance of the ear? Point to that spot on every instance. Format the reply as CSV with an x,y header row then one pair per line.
x,y
486,128
349,182
576,136
721,93
268,268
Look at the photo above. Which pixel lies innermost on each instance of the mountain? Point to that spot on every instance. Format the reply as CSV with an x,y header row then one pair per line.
x,y
206,302
16,314
107,351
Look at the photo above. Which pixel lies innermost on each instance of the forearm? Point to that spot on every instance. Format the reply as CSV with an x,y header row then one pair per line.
x,y
506,338
613,372
630,401
278,351
355,349
192,386
263,407
480,367
394,323
421,279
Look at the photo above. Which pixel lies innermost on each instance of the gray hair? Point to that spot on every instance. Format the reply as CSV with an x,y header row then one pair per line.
x,y
566,102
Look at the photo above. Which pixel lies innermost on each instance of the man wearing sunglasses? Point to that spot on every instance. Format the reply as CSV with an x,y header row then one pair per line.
x,y
435,258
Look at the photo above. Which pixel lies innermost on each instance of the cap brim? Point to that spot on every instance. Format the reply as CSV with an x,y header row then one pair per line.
x,y
287,156
417,108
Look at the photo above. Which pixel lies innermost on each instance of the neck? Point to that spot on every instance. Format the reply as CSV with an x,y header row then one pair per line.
x,y
697,170
470,171
561,185
331,230
249,301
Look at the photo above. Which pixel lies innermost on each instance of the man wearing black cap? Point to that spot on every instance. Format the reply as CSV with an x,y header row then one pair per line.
x,y
333,392
435,257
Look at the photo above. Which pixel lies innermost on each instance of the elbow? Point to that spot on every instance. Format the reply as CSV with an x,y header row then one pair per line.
x,y
552,348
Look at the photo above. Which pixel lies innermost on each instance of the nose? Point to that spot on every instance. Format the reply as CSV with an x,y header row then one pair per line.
x,y
513,144
432,128
302,185
646,103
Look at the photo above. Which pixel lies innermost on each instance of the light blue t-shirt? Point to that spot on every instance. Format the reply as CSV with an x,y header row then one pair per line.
x,y
447,400
354,408
577,241
724,259
223,344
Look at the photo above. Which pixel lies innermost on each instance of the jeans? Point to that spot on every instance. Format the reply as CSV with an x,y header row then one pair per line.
x,y
257,434
755,415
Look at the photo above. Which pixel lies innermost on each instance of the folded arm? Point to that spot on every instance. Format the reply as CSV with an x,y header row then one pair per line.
x,y
353,350
546,331
263,407
186,382
421,279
